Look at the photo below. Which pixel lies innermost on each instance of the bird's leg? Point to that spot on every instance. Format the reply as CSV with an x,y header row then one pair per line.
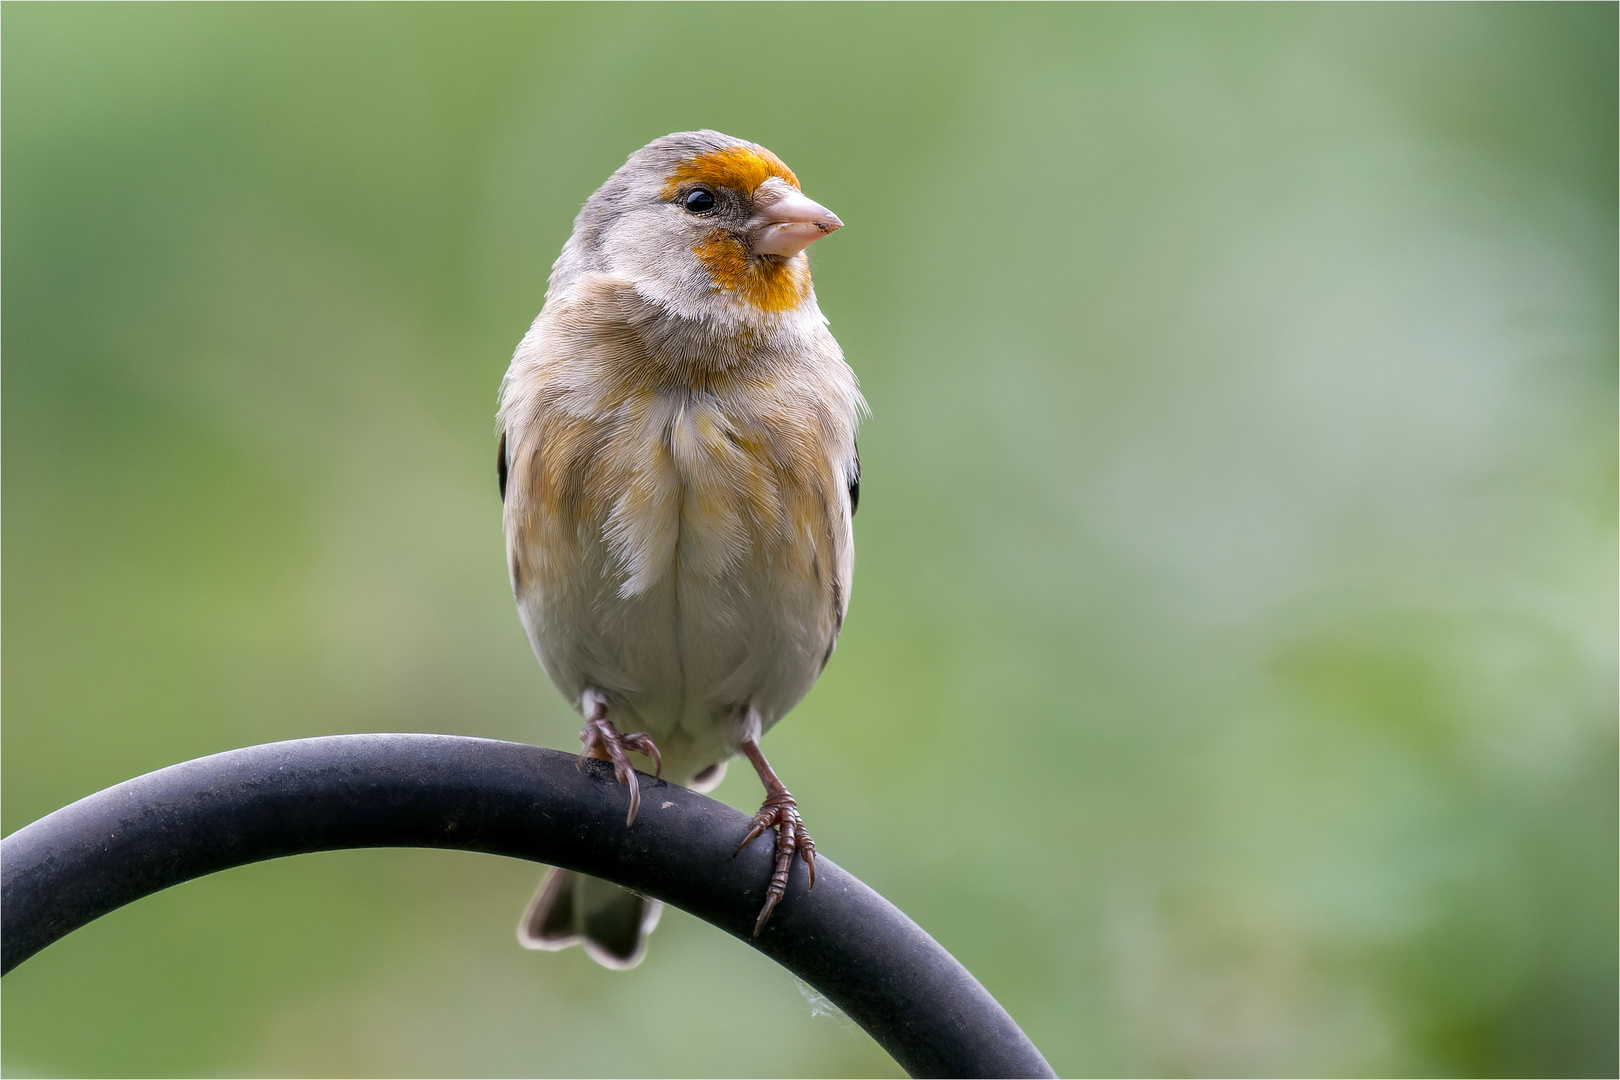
x,y
604,742
781,813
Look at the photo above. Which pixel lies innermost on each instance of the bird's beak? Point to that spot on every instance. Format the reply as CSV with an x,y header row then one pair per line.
x,y
785,222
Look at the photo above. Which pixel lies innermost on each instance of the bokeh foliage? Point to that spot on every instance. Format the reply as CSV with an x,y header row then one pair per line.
x,y
1230,681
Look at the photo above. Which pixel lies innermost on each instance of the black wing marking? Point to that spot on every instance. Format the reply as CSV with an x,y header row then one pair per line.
x,y
500,466
855,483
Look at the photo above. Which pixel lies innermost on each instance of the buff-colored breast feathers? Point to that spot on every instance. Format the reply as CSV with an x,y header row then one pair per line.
x,y
705,479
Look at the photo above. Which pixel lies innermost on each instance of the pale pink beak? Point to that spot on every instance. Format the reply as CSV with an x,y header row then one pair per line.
x,y
785,222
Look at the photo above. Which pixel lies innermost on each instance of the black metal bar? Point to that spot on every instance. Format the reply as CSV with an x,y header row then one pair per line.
x,y
350,791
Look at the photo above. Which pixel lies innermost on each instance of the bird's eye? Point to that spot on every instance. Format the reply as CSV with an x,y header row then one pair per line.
x,y
699,200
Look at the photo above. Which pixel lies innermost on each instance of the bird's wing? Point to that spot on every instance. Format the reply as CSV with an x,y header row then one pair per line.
x,y
854,480
501,466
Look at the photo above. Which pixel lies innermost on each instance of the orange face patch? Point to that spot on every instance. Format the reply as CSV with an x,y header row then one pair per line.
x,y
743,168
767,284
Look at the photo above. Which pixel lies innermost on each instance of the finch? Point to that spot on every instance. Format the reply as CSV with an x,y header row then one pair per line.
x,y
679,475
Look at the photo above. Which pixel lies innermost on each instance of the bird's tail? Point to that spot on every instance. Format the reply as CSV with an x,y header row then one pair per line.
x,y
611,922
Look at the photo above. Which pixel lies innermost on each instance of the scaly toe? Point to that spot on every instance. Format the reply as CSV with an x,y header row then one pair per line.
x,y
603,741
781,813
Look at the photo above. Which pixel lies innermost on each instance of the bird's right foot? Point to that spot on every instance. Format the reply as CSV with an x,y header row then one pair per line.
x,y
605,742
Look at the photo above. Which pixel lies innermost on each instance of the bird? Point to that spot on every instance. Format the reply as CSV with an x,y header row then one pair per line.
x,y
679,474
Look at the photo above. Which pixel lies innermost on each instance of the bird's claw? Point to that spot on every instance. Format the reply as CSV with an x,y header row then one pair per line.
x,y
604,742
781,813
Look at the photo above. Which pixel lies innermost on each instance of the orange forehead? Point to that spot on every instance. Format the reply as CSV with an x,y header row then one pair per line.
x,y
741,167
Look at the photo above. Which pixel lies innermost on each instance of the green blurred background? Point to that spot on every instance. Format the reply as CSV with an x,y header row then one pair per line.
x,y
1230,679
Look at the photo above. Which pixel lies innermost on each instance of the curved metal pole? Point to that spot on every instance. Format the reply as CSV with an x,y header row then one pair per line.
x,y
351,791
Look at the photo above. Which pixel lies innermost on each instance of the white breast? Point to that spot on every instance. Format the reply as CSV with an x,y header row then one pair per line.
x,y
686,551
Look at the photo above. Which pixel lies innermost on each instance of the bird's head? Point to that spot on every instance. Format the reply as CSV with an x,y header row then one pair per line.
x,y
707,224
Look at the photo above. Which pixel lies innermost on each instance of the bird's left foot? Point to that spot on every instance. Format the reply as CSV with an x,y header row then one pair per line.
x,y
781,813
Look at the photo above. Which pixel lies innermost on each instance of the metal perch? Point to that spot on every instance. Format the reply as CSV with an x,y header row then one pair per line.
x,y
442,791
